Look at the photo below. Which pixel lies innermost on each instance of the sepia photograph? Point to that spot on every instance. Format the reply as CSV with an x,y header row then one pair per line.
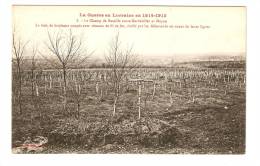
x,y
128,79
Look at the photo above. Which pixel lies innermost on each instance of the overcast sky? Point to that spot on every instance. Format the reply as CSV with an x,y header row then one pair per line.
x,y
225,33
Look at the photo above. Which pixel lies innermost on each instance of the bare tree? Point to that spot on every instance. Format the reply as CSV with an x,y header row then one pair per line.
x,y
121,61
18,58
78,94
69,51
35,74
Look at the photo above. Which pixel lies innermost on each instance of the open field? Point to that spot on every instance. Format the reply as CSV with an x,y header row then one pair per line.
x,y
160,110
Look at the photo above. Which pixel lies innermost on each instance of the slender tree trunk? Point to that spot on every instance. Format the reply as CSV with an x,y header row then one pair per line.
x,y
154,88
50,82
19,88
32,83
78,92
171,100
37,90
64,89
97,88
101,94
139,99
45,86
115,106
116,99
78,109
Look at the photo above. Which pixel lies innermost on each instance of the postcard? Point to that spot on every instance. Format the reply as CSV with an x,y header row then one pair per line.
x,y
135,79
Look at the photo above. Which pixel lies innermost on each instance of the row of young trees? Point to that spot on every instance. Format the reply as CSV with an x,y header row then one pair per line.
x,y
65,50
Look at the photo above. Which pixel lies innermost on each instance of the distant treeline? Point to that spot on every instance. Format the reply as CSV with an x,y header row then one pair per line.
x,y
42,64
221,64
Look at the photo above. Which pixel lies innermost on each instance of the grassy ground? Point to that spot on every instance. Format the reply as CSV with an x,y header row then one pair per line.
x,y
213,123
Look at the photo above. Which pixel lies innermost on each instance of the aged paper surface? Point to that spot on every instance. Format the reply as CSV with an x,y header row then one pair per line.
x,y
128,79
